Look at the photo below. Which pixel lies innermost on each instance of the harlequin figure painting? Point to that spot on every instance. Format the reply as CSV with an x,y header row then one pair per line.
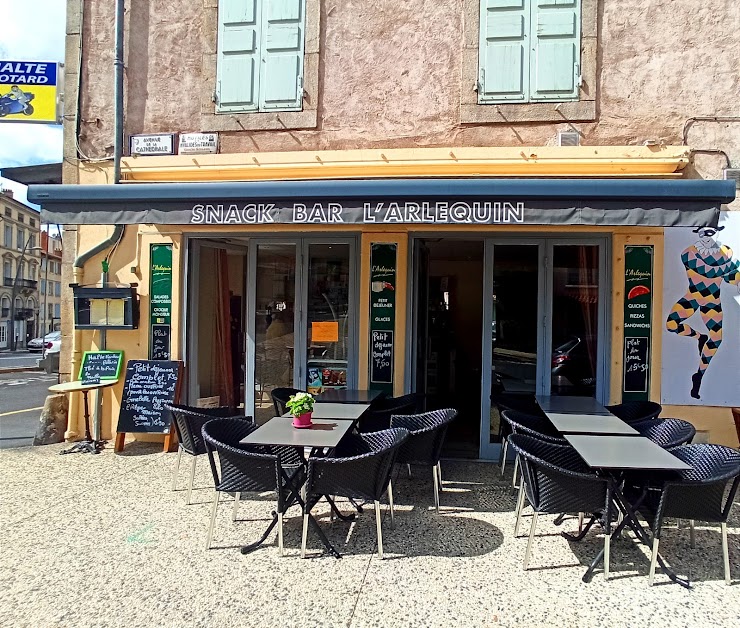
x,y
707,263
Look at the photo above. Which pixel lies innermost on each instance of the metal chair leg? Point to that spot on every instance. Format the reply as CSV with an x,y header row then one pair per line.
x,y
692,536
532,528
726,553
580,522
380,530
177,468
280,533
237,499
607,547
503,456
192,479
516,471
436,487
216,496
304,536
519,508
439,476
653,561
390,505
408,466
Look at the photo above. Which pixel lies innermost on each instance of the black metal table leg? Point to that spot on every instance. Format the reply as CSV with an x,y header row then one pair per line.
x,y
88,445
336,511
253,546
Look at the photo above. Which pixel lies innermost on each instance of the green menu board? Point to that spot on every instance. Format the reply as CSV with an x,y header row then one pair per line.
x,y
638,309
382,315
160,302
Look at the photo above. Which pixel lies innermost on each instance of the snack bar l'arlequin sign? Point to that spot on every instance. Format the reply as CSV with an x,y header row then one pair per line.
x,y
638,310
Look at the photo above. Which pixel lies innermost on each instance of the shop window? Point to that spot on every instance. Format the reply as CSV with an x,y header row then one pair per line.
x,y
260,56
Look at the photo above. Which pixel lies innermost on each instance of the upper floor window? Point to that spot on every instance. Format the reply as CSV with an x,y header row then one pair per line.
x,y
260,55
8,242
7,269
32,241
529,51
21,217
32,222
20,239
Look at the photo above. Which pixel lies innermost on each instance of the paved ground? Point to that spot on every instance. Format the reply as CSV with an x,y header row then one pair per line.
x,y
18,359
22,396
103,541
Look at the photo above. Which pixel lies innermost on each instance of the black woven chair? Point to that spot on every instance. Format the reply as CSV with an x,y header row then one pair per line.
x,y
280,397
703,493
427,433
556,481
525,403
636,411
531,425
378,417
189,421
364,474
254,469
667,433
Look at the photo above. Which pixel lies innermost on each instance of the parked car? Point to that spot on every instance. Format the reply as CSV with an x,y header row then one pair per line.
x,y
571,367
52,343
37,344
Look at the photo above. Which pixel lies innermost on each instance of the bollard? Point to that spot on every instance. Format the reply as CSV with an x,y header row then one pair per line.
x,y
53,421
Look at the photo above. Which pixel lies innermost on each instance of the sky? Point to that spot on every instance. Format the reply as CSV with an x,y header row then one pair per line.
x,y
31,31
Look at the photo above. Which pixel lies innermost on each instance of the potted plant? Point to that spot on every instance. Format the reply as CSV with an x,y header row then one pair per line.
x,y
301,407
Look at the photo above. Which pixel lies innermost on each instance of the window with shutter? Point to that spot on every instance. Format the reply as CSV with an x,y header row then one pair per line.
x,y
529,51
260,55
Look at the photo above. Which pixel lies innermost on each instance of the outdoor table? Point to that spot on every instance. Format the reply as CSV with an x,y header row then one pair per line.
x,y
337,411
324,434
570,404
590,424
348,395
88,444
612,455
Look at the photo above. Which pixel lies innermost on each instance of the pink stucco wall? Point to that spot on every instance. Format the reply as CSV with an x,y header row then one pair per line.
x,y
390,75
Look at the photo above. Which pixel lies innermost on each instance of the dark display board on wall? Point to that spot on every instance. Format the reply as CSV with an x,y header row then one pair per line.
x,y
638,309
160,302
382,315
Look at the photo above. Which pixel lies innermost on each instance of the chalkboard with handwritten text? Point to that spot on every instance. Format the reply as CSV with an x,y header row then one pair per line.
x,y
160,347
148,386
636,364
100,365
381,357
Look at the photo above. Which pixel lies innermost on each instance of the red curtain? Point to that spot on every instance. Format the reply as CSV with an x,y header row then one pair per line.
x,y
222,373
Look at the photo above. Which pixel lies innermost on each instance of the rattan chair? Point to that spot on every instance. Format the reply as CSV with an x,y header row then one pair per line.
x,y
189,421
280,397
667,433
525,403
378,416
427,433
531,425
556,481
363,472
251,469
636,411
703,493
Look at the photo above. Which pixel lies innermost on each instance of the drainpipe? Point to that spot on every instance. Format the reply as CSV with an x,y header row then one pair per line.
x,y
118,231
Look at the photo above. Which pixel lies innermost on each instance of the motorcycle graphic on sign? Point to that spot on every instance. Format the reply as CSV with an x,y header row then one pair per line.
x,y
16,101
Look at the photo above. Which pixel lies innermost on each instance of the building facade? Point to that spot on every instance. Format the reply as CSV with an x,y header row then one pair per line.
x,y
50,282
20,254
444,197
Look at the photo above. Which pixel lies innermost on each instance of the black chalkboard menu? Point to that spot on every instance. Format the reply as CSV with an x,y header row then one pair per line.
x,y
160,347
148,386
381,357
100,365
636,364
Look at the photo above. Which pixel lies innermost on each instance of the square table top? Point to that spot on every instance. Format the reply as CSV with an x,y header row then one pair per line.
x,y
624,452
570,404
348,395
280,431
590,424
338,411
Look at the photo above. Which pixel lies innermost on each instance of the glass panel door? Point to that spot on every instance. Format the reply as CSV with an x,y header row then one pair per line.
x,y
274,323
575,319
327,337
511,334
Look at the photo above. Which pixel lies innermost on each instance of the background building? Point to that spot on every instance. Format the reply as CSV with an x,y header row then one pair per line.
x,y
50,283
21,259
301,90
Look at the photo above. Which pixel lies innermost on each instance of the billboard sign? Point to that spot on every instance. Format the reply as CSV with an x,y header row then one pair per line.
x,y
28,91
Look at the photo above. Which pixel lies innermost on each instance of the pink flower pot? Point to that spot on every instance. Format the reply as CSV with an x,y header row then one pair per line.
x,y
302,421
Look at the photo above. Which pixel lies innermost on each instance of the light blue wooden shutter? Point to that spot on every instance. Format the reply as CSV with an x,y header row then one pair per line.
x,y
281,79
556,50
237,74
504,51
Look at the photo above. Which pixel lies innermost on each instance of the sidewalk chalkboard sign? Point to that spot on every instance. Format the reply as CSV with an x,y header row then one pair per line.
x,y
100,366
149,384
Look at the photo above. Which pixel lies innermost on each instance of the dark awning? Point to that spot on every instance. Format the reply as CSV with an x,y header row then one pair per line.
x,y
659,203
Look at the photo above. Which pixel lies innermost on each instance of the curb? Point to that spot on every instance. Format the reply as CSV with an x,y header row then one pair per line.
x,y
21,369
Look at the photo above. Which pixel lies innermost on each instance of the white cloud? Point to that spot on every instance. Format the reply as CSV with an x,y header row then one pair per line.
x,y
31,31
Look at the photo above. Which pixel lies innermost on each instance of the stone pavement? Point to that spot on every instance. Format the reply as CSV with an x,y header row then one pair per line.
x,y
103,541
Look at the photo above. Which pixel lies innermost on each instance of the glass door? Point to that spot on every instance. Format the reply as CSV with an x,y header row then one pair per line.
x,y
512,334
